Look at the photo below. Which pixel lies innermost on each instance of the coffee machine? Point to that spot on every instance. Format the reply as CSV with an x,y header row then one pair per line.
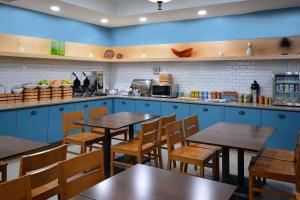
x,y
97,80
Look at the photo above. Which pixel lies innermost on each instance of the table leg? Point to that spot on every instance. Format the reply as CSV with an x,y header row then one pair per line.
x,y
241,167
106,149
225,164
131,131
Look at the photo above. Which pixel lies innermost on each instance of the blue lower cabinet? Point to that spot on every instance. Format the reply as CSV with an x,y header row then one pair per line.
x,y
287,125
207,115
147,107
108,103
124,105
181,110
55,130
32,124
8,123
85,107
242,115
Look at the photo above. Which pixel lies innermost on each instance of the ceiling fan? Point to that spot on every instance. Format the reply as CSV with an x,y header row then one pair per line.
x,y
160,2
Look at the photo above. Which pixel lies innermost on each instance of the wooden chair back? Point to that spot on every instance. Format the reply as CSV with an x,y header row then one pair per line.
x,y
175,135
96,112
80,173
298,167
163,121
18,189
297,143
149,132
191,125
68,122
43,166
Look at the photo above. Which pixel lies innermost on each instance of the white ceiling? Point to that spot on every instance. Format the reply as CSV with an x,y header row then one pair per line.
x,y
127,12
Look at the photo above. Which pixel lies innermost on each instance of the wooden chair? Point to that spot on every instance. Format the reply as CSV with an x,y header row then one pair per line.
x,y
191,127
138,147
186,154
162,137
94,113
274,169
80,173
280,154
84,139
297,196
43,170
18,189
3,170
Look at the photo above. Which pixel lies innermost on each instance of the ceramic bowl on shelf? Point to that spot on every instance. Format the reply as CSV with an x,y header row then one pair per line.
x,y
17,90
29,85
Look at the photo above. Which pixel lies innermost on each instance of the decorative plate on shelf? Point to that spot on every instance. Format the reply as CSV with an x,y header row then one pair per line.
x,y
109,54
119,56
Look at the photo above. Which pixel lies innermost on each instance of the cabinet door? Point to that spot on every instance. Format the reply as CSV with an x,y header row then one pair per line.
x,y
8,123
287,125
85,107
242,115
147,107
105,103
32,124
180,109
207,115
55,130
124,105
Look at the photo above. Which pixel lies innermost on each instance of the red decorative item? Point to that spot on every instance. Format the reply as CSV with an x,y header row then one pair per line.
x,y
184,53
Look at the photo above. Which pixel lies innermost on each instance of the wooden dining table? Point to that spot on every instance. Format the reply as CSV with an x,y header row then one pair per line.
x,y
234,136
114,122
149,183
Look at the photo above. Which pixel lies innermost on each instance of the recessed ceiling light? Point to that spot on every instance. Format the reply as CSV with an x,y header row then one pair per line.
x,y
55,8
202,12
104,20
143,19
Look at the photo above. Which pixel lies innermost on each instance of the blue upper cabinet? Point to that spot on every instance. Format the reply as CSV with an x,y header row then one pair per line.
x,y
207,115
181,110
108,103
85,107
8,123
124,105
55,130
147,107
287,125
32,124
242,115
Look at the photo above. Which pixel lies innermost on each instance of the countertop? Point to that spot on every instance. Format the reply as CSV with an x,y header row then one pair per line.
x,y
21,105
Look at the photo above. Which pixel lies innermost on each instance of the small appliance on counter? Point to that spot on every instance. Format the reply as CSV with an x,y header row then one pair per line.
x,y
165,90
97,87
286,88
255,91
141,87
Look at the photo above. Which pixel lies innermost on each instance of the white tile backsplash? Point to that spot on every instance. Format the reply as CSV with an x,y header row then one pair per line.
x,y
209,76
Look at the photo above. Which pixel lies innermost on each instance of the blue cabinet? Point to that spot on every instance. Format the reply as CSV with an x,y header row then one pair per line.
x,y
85,107
124,105
287,125
207,115
108,103
147,107
8,123
181,110
55,130
242,115
32,124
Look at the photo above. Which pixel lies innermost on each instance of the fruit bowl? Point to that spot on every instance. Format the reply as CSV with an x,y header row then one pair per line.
x,y
29,86
184,53
55,85
43,86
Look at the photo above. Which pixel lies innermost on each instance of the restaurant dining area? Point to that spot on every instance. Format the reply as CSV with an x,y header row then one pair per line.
x,y
149,100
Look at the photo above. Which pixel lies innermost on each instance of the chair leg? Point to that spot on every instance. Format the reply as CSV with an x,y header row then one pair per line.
x,y
181,166
125,136
155,158
186,167
250,187
169,165
202,170
195,167
161,165
112,158
216,167
90,148
81,149
140,159
174,164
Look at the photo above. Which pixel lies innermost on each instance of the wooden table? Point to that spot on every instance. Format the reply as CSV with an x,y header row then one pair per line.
x,y
11,147
235,136
145,182
114,122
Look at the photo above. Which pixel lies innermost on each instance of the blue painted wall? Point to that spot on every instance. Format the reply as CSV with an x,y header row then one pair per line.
x,y
19,21
275,23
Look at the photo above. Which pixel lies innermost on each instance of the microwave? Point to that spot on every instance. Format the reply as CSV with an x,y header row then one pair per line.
x,y
165,91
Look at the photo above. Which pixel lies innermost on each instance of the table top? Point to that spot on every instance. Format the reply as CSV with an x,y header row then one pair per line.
x,y
118,120
11,146
238,136
149,183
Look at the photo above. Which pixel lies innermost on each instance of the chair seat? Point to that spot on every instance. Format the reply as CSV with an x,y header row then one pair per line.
x,y
273,169
205,146
113,133
278,154
297,196
84,137
130,147
45,191
192,155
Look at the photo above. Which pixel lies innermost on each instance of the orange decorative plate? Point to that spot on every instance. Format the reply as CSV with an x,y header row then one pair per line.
x,y
184,53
